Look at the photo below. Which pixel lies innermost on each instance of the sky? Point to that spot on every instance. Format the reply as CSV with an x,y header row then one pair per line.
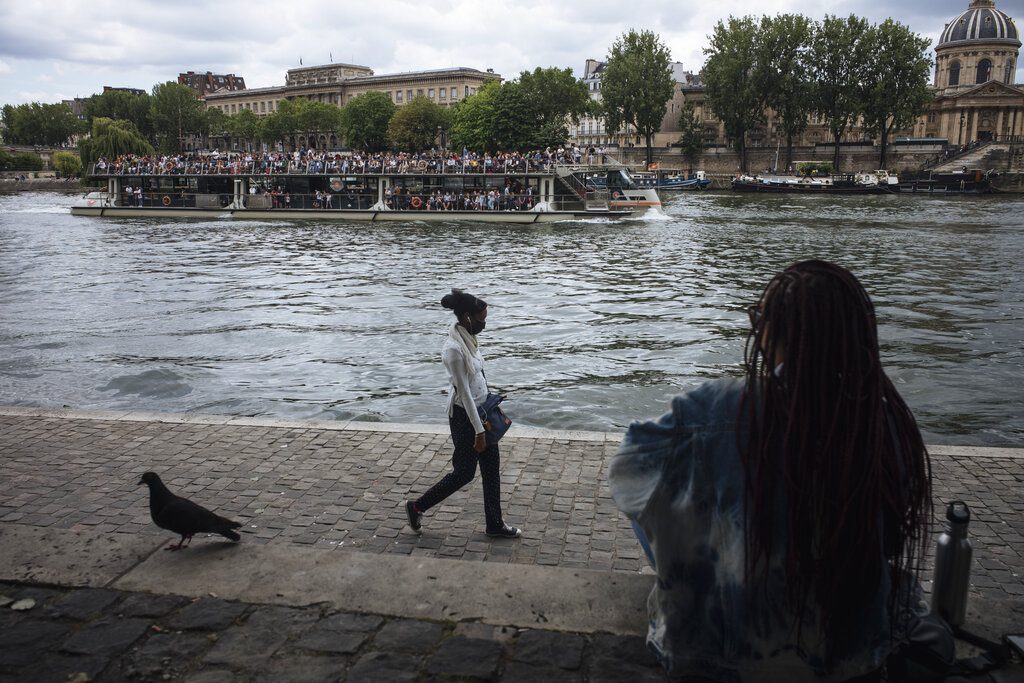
x,y
51,50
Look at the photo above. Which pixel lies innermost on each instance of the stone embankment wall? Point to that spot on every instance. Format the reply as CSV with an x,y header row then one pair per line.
x,y
723,160
11,184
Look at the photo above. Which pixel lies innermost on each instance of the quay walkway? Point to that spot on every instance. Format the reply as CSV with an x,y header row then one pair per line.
x,y
328,583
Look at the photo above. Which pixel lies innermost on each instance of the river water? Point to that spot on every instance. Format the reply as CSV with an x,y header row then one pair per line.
x,y
592,324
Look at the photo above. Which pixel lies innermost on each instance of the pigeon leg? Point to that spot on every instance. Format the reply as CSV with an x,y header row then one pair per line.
x,y
189,540
176,547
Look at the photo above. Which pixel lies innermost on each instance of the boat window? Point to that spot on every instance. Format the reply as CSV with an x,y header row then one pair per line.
x,y
621,179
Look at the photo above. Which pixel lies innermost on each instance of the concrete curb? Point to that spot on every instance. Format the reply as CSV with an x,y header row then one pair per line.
x,y
517,431
552,598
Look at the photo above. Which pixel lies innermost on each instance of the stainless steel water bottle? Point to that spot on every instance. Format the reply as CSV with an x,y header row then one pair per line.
x,y
952,565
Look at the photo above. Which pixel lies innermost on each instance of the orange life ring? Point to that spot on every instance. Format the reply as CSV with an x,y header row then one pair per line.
x,y
416,202
616,194
169,166
166,200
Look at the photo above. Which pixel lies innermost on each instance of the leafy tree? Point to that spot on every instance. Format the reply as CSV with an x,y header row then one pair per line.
x,y
365,119
691,136
896,80
473,120
839,58
245,126
318,117
6,160
40,124
175,113
68,164
637,84
555,96
110,139
123,105
26,161
782,46
280,125
731,83
415,126
215,126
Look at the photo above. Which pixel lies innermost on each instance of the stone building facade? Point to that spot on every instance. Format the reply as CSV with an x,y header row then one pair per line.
x,y
209,82
975,64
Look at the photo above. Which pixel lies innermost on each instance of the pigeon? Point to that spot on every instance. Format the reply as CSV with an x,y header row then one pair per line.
x,y
182,516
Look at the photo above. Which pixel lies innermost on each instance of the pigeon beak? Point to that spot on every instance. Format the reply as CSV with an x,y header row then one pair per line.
x,y
142,481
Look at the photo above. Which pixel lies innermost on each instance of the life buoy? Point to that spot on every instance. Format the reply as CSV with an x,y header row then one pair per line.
x,y
169,166
616,194
166,200
416,202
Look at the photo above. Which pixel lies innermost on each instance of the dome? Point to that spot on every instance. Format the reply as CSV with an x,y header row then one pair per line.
x,y
980,22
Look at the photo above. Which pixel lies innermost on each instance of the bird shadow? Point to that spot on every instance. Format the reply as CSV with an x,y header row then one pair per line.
x,y
205,549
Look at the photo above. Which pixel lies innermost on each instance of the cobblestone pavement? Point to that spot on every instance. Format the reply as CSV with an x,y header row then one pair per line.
x,y
108,635
343,489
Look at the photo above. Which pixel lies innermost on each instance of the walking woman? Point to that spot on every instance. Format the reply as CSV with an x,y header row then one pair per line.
x,y
786,512
465,366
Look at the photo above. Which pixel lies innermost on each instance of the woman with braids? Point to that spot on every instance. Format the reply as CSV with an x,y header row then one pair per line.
x,y
784,513
465,366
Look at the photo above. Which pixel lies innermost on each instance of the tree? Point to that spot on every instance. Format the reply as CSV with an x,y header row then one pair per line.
x,y
245,126
839,59
175,113
415,126
555,96
365,119
637,84
895,82
111,139
318,118
782,46
26,161
691,136
68,164
123,105
473,120
730,79
216,126
41,124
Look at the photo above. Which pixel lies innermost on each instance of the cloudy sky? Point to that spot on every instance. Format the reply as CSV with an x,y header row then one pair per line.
x,y
58,49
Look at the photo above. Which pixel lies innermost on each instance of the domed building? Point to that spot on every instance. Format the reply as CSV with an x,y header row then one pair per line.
x,y
975,64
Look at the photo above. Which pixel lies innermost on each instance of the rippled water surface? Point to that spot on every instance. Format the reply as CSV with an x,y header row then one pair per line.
x,y
592,324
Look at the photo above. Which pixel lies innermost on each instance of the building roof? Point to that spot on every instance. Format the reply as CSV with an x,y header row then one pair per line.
x,y
980,22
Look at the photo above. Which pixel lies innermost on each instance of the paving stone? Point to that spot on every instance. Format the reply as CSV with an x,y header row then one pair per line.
x,y
549,648
250,645
27,641
332,641
58,667
106,637
164,654
385,667
206,614
148,605
521,671
408,635
216,675
304,669
351,621
83,604
466,658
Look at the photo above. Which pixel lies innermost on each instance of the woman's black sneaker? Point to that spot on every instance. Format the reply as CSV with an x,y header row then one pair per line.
x,y
506,531
415,517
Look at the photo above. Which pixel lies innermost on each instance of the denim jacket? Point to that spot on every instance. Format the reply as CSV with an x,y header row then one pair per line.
x,y
681,481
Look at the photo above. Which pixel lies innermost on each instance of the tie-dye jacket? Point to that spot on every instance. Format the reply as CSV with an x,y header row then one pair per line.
x,y
681,481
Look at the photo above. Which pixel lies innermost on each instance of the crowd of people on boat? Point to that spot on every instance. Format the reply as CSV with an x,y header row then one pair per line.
x,y
319,162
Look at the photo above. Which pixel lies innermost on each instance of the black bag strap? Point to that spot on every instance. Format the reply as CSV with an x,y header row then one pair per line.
x,y
995,655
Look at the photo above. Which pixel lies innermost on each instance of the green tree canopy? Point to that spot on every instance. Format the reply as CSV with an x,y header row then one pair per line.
x,y
40,124
895,80
473,120
415,126
555,96
244,126
110,139
68,164
216,126
365,119
782,46
839,58
691,134
731,83
175,113
123,105
637,84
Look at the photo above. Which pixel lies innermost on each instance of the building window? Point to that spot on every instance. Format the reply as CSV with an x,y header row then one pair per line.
x,y
442,93
430,93
263,107
398,96
408,95
455,93
467,91
931,117
984,71
954,72
419,92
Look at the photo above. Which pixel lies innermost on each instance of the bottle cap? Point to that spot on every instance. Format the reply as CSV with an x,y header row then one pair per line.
x,y
958,512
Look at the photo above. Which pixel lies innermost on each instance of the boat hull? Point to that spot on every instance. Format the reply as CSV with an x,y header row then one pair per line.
x,y
809,188
516,217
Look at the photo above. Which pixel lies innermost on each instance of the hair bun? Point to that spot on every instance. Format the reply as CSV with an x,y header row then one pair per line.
x,y
462,302
450,300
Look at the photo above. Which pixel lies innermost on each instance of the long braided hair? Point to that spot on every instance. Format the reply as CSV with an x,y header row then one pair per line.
x,y
826,427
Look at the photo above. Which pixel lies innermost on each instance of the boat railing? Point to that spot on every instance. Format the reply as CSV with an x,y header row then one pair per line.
x,y
318,168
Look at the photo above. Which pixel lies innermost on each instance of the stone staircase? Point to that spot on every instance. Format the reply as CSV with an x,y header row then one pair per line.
x,y
998,156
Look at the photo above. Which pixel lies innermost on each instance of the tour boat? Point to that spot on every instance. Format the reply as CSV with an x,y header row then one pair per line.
x,y
877,182
972,181
518,192
664,180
